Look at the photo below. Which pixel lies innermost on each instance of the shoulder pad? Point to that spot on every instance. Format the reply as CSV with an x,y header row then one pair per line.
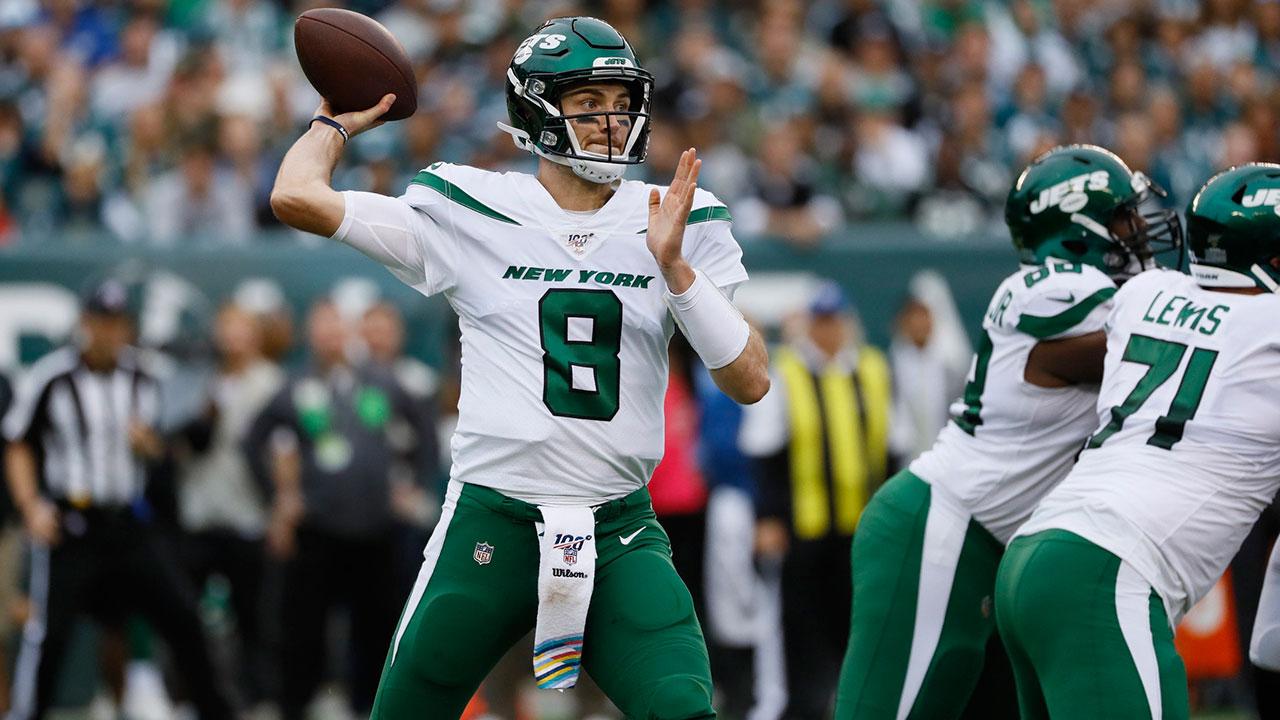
x,y
1055,298
483,191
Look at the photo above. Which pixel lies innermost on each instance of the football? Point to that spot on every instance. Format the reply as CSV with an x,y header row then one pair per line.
x,y
352,61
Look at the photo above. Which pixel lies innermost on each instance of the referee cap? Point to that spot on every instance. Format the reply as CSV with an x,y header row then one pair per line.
x,y
108,297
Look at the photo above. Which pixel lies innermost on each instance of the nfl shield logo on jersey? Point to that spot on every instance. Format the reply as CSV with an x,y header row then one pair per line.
x,y
483,553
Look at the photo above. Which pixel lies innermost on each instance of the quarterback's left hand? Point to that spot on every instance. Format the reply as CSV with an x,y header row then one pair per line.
x,y
667,218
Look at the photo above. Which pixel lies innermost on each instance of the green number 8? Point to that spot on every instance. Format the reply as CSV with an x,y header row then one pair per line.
x,y
582,330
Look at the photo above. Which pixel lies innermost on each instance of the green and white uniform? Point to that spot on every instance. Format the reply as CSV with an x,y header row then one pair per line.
x,y
1185,459
564,328
919,634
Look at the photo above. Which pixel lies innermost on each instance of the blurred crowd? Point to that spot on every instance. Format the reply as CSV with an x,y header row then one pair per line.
x,y
163,121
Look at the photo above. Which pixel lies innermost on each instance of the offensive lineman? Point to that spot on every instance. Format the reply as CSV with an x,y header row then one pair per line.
x,y
927,546
566,286
1186,458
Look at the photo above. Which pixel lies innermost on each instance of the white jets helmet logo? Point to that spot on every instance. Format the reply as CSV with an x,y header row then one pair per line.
x,y
548,42
1069,195
1263,197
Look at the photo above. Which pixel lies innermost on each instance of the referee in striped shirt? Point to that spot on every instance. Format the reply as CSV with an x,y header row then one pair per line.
x,y
80,440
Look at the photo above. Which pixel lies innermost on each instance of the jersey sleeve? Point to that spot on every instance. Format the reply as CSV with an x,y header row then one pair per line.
x,y
714,248
1062,304
405,239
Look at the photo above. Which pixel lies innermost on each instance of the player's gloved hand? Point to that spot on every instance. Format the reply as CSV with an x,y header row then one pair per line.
x,y
360,120
668,216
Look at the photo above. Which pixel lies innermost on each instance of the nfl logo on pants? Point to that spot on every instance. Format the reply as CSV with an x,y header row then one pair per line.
x,y
483,553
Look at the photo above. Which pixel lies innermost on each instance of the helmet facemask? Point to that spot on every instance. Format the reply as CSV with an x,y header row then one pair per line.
x,y
1137,237
625,135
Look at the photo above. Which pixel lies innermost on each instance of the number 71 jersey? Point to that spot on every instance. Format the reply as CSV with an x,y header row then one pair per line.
x,y
1188,451
563,320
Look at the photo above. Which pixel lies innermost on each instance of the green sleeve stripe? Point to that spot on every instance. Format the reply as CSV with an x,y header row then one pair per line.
x,y
458,195
707,214
1043,327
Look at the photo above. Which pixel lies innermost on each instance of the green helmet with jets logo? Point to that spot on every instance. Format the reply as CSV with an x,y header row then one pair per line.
x,y
560,54
1233,228
1081,203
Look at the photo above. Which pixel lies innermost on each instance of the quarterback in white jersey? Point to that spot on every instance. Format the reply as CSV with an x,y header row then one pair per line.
x,y
1027,408
1185,459
568,286
564,322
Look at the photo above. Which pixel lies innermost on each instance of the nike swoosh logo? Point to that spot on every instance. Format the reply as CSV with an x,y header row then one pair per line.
x,y
627,539
1068,299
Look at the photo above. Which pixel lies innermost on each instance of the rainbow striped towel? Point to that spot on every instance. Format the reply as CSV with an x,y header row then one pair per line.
x,y
555,662
566,578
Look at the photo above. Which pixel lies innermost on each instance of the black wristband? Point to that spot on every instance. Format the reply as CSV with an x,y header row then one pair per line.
x,y
333,124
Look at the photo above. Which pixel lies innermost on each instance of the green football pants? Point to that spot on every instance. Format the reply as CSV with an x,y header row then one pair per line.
x,y
1087,636
922,625
642,644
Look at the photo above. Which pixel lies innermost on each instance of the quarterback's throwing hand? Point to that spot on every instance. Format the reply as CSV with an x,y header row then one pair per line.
x,y
360,120
667,217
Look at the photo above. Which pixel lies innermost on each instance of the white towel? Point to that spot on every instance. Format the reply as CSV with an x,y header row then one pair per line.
x,y
566,577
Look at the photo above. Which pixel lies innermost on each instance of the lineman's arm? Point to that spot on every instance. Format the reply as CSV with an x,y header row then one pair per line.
x,y
302,197
1068,361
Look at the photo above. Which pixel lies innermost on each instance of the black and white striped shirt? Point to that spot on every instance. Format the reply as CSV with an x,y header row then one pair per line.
x,y
77,422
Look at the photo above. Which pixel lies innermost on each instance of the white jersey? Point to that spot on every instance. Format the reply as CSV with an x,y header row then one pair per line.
x,y
1188,451
563,318
1009,441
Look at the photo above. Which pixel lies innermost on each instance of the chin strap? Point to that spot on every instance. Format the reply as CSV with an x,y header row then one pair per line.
x,y
596,172
1264,277
518,136
1213,276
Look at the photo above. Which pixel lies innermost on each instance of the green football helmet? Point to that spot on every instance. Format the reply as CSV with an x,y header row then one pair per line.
x,y
570,51
1233,228
1081,203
